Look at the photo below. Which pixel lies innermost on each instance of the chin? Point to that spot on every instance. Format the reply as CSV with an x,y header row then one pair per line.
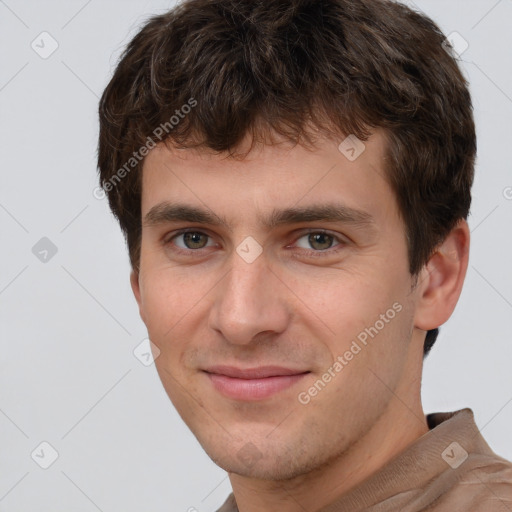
x,y
275,463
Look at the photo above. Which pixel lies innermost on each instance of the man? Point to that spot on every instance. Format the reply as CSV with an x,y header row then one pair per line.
x,y
293,180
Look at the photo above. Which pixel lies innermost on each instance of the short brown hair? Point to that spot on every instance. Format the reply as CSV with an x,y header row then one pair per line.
x,y
275,66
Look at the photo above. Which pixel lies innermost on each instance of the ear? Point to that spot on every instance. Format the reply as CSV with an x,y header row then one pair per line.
x,y
441,279
134,281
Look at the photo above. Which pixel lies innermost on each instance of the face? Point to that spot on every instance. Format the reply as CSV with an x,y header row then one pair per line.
x,y
277,291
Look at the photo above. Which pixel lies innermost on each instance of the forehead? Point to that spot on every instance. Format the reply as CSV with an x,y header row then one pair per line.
x,y
275,176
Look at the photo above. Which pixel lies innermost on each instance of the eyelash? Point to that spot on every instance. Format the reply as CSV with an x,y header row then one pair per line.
x,y
198,252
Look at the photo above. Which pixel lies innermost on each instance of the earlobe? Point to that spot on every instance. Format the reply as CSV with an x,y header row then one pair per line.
x,y
441,280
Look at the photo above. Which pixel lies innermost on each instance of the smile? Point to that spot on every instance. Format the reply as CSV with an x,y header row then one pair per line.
x,y
253,383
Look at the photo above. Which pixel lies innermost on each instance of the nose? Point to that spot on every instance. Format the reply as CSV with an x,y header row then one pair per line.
x,y
249,301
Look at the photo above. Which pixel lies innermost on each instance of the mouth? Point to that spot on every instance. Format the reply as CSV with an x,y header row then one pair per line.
x,y
252,384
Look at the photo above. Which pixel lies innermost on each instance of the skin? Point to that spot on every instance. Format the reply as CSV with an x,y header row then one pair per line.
x,y
299,304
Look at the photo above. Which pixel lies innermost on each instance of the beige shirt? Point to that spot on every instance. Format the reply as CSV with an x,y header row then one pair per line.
x,y
449,469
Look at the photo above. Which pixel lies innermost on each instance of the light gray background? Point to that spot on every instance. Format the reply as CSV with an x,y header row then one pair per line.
x,y
69,325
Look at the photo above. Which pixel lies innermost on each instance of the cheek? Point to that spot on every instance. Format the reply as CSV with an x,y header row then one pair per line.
x,y
170,294
168,303
346,301
368,322
369,362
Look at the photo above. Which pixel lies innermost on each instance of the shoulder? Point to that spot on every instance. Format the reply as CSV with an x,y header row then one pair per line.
x,y
484,486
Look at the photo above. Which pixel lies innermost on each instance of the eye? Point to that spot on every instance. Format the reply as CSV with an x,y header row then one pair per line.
x,y
317,240
191,240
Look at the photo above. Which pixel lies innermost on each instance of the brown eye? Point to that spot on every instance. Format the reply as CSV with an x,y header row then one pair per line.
x,y
194,240
189,240
320,241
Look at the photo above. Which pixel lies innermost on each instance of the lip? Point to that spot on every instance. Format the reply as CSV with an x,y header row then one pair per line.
x,y
253,383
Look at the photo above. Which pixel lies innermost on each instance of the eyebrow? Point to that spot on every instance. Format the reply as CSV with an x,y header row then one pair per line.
x,y
332,212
